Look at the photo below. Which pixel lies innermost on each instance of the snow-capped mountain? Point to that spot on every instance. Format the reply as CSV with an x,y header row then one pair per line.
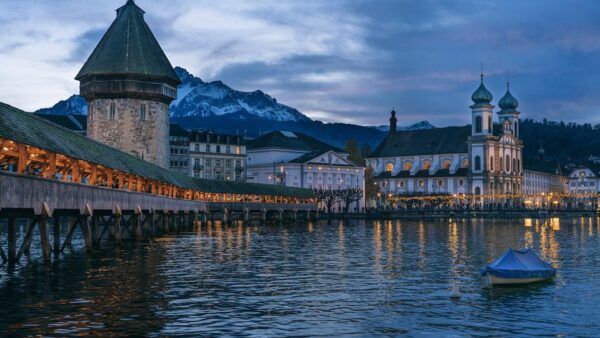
x,y
198,98
73,105
415,126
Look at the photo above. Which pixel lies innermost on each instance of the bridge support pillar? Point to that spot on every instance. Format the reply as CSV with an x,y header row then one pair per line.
x,y
246,215
263,215
137,223
280,218
225,218
12,241
85,227
56,235
165,221
117,213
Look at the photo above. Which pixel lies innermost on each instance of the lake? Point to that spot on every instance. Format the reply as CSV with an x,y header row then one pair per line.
x,y
343,278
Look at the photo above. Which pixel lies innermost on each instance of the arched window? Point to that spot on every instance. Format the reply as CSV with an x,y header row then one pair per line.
x,y
407,166
401,184
426,164
514,165
515,131
518,166
478,124
465,163
491,162
421,183
440,183
446,164
477,191
477,163
507,163
490,124
389,167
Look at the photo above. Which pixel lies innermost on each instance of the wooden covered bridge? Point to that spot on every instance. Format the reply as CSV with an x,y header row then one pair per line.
x,y
50,175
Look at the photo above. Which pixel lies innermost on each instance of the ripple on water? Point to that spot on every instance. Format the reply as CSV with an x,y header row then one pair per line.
x,y
351,278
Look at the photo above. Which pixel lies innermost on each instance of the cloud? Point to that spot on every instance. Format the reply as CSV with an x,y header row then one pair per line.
x,y
347,61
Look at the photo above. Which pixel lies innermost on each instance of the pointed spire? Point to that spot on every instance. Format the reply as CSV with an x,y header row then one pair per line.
x,y
393,121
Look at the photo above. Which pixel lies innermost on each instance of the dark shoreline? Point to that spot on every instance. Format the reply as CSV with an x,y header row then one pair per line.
x,y
429,214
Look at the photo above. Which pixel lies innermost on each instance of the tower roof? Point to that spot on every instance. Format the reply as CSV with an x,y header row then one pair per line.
x,y
128,48
482,95
508,102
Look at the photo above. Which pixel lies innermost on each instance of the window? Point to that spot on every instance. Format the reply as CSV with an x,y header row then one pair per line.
x,y
218,149
465,163
197,147
143,112
112,111
478,124
407,165
228,150
207,162
492,162
208,148
507,163
490,124
228,164
440,183
217,163
514,164
477,163
238,150
421,183
446,164
389,167
477,191
426,164
515,129
238,163
461,182
401,184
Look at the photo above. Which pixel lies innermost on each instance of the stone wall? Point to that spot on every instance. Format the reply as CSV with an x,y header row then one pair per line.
x,y
146,138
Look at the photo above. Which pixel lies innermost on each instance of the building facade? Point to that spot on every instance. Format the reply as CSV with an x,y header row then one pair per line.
x,y
128,83
179,149
584,180
298,160
481,159
217,156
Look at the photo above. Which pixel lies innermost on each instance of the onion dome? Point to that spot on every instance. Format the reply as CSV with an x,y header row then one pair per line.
x,y
482,95
508,102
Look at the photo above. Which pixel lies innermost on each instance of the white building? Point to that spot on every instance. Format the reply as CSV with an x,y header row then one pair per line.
x,y
542,177
584,180
297,160
217,156
481,158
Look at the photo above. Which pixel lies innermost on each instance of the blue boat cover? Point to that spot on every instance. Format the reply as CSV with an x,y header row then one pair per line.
x,y
519,264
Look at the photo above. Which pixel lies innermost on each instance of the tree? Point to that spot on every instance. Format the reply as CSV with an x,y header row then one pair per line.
x,y
329,198
349,196
354,152
371,187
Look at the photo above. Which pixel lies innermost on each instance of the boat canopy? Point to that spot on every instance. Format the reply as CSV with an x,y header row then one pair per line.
x,y
519,264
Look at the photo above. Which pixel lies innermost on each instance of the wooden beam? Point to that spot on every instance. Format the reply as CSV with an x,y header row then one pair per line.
x,y
22,161
51,170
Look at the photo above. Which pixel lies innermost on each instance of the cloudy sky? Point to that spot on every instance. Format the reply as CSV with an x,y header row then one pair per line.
x,y
348,61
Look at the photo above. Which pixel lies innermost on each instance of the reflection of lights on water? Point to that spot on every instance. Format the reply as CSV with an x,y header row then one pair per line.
x,y
555,223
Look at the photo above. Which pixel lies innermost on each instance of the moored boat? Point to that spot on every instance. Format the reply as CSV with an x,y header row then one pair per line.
x,y
518,267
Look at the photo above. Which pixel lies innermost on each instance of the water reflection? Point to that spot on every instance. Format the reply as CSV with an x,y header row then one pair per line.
x,y
340,278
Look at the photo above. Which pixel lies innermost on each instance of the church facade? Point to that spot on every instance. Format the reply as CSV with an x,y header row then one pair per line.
x,y
128,83
484,158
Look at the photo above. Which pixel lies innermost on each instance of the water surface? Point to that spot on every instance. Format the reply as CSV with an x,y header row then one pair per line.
x,y
343,278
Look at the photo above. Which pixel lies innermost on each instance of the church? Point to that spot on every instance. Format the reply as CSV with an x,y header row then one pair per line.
x,y
484,158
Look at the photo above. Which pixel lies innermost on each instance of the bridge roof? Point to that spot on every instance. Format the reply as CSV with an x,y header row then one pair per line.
x,y
27,128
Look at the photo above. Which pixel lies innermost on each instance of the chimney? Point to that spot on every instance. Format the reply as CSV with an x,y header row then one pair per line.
x,y
393,121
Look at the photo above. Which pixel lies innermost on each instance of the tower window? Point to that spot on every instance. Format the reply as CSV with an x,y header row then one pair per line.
x,y
492,163
389,167
477,163
490,124
112,111
143,112
478,124
407,166
507,163
426,164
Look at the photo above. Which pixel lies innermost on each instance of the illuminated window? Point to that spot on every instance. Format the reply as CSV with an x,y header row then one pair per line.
x,y
238,150
389,167
446,164
421,183
426,164
407,166
465,163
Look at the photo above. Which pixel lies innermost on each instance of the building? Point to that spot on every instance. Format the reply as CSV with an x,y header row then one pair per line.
x,y
542,177
128,83
179,149
481,159
584,180
298,160
217,156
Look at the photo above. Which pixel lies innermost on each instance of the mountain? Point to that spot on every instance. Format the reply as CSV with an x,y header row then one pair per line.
x,y
205,99
73,105
415,126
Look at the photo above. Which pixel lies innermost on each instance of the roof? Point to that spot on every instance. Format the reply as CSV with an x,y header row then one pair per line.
x,y
544,166
128,48
76,123
292,141
424,173
448,140
177,130
210,137
35,131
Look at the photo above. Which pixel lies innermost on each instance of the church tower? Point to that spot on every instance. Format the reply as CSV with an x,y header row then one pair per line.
x,y
508,116
128,83
481,133
481,111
